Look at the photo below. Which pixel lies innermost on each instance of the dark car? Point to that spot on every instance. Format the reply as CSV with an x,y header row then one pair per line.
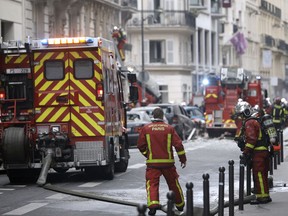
x,y
197,116
149,110
178,118
135,121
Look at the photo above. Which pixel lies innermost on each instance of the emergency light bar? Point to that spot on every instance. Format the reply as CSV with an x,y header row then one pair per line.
x,y
67,41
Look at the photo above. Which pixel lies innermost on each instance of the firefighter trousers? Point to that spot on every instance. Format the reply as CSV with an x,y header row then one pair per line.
x,y
152,185
260,169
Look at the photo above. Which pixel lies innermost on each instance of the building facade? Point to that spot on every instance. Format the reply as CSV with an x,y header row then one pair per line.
x,y
181,40
62,18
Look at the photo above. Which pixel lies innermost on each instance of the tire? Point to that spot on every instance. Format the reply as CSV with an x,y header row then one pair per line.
x,y
15,147
17,176
61,170
122,165
109,171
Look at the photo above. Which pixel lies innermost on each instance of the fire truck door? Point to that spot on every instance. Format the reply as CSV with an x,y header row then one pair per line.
x,y
87,114
51,83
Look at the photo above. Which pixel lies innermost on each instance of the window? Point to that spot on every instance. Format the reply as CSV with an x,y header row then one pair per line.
x,y
54,70
156,51
83,69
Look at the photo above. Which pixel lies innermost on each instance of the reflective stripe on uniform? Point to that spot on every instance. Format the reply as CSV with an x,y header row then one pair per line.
x,y
181,152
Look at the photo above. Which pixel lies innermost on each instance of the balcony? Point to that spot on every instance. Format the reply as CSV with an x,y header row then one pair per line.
x,y
197,4
163,19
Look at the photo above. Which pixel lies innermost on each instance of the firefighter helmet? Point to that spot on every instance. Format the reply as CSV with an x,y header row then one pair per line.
x,y
277,100
243,107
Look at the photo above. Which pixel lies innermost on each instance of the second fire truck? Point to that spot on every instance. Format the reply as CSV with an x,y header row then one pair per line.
x,y
63,105
222,94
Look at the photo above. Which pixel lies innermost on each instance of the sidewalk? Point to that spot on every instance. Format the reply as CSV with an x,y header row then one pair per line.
x,y
279,194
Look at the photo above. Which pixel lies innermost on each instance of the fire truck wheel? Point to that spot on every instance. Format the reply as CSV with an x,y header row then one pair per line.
x,y
109,171
122,165
17,176
61,170
15,146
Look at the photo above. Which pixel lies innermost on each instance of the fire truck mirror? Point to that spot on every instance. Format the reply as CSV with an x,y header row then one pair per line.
x,y
132,78
133,93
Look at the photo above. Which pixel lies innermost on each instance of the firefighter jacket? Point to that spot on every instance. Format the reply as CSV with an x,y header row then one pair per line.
x,y
155,142
255,139
277,114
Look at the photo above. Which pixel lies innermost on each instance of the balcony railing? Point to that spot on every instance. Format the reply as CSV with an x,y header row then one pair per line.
x,y
129,3
164,18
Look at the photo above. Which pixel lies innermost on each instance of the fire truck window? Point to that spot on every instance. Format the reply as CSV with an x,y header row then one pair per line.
x,y
252,93
83,69
54,70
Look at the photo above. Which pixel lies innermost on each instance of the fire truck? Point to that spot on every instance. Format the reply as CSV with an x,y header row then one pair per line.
x,y
63,105
222,94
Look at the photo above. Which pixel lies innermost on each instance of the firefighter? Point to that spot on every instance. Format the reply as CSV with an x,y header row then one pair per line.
x,y
121,37
277,113
255,152
155,143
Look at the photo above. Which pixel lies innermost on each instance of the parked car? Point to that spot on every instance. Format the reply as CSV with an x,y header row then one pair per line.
x,y
135,121
149,110
178,118
197,116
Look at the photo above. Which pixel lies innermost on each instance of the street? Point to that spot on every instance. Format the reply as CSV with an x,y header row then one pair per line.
x,y
204,156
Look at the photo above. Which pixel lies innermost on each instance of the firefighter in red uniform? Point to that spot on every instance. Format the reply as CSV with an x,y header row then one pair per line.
x,y
155,143
255,151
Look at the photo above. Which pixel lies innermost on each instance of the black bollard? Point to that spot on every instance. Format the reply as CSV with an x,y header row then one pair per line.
x,y
189,194
231,187
278,152
248,179
271,164
241,184
221,191
275,159
170,203
281,143
141,209
206,195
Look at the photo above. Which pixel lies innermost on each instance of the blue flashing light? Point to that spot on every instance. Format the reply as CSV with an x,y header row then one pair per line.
x,y
205,82
89,40
44,42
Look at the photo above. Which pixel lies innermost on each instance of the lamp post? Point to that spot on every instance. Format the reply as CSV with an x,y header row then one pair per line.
x,y
142,52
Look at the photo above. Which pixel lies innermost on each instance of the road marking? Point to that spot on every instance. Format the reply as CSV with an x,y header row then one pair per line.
x,y
58,196
136,166
90,184
1,192
7,189
25,209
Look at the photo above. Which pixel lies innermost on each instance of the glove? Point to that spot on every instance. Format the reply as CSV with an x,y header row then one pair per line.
x,y
245,159
240,143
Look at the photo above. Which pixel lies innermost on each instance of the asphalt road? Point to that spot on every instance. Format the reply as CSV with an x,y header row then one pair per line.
x,y
204,156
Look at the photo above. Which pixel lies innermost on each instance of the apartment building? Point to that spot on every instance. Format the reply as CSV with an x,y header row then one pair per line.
x,y
59,18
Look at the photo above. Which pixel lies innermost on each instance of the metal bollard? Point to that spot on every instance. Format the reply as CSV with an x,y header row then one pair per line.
x,y
275,160
141,209
271,164
170,203
241,185
206,195
248,179
231,187
189,194
282,148
221,191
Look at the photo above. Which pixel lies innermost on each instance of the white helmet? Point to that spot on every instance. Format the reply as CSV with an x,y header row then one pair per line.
x,y
243,107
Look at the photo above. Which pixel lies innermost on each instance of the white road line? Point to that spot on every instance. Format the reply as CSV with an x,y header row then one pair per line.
x,y
58,196
7,189
90,184
1,192
25,209
136,166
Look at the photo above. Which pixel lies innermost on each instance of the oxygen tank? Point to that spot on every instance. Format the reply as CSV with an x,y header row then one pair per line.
x,y
270,128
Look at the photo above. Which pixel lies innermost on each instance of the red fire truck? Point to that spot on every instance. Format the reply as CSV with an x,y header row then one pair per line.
x,y
222,94
63,105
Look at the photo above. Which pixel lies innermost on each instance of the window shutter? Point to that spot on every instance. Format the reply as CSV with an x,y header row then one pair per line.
x,y
146,51
170,52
